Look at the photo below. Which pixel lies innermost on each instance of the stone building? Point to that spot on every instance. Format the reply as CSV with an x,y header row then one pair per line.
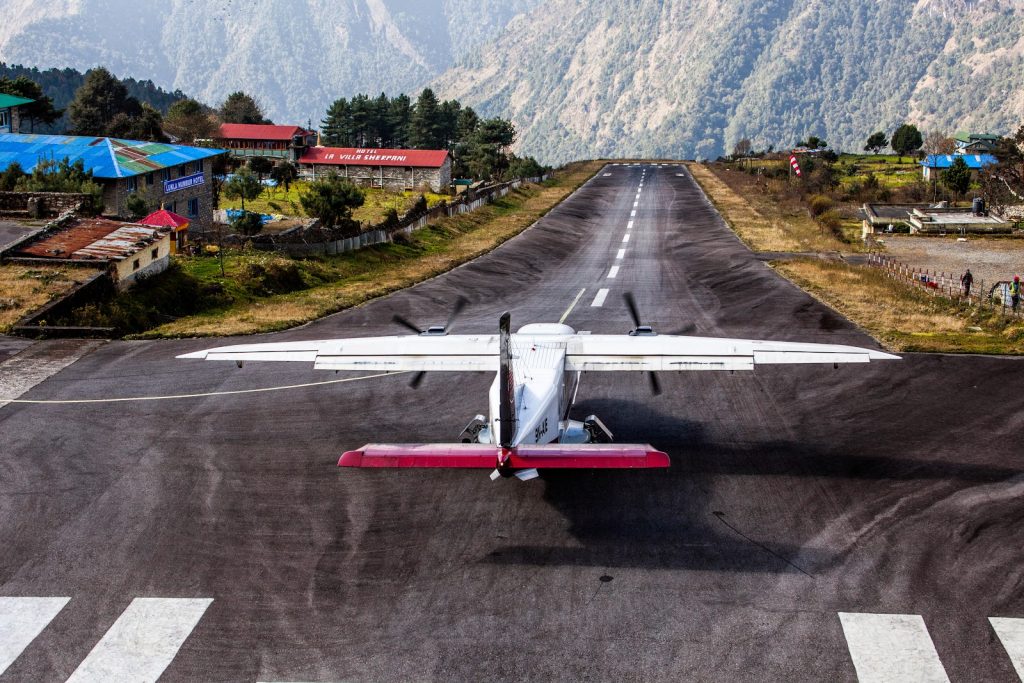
x,y
9,119
129,250
174,177
393,169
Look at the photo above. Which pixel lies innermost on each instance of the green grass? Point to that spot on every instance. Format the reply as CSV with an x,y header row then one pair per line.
x,y
377,202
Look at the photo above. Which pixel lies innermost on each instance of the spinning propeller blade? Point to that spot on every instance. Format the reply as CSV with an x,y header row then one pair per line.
x,y
460,304
404,322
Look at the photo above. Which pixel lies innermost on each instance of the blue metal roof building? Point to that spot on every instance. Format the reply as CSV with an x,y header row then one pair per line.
x,y
939,162
105,157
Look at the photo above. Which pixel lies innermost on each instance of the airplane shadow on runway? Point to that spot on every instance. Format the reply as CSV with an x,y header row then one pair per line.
x,y
692,517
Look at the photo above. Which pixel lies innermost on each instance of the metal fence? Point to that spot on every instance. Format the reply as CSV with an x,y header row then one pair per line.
x,y
407,225
995,295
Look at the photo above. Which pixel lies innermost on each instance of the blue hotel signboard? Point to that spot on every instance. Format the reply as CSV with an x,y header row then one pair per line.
x,y
182,183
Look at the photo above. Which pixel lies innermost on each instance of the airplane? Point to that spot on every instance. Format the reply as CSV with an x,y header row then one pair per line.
x,y
538,376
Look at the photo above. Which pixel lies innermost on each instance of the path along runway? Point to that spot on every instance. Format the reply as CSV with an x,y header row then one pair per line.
x,y
214,538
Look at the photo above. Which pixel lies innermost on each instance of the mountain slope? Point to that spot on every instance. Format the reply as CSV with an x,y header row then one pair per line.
x,y
691,77
296,56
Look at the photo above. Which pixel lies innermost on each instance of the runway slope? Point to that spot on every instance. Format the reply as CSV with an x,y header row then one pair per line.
x,y
803,502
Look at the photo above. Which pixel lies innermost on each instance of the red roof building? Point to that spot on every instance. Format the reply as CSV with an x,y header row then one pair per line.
x,y
266,140
396,169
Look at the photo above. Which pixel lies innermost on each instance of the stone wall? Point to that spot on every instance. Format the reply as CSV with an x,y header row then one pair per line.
x,y
389,177
51,203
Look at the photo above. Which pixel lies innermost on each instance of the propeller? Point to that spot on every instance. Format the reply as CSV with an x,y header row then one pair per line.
x,y
460,304
646,330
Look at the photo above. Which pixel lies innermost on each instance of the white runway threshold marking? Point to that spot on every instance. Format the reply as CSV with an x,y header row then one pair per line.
x,y
21,620
143,641
602,294
621,255
886,648
613,273
572,305
1011,634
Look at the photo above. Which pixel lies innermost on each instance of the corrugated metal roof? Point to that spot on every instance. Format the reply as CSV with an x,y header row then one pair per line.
x,y
105,157
256,131
349,156
974,161
97,239
12,100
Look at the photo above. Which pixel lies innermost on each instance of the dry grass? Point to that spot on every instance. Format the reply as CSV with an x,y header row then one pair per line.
x,y
24,289
902,316
759,229
374,272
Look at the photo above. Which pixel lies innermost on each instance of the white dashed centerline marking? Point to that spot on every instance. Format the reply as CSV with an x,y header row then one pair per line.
x,y
629,225
572,305
602,294
21,620
625,239
613,272
143,640
891,647
1011,634
632,214
621,254
636,204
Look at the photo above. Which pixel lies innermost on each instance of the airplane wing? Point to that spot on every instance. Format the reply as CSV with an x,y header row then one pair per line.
x,y
380,354
465,455
668,353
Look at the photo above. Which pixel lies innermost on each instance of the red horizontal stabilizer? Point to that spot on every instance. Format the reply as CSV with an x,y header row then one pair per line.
x,y
588,456
484,456
476,455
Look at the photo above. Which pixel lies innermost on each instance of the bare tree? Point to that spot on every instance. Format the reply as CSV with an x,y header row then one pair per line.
x,y
938,142
742,149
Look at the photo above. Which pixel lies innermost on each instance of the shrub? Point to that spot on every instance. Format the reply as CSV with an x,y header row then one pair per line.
x,y
274,276
819,204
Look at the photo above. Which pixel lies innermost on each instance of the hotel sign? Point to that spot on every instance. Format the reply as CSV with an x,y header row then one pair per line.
x,y
183,183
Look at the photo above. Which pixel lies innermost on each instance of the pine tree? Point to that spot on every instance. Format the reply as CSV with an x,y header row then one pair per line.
x,y
336,127
40,110
426,129
98,103
906,139
399,117
188,120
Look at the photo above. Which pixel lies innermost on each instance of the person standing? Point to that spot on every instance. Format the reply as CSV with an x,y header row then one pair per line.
x,y
1015,292
966,280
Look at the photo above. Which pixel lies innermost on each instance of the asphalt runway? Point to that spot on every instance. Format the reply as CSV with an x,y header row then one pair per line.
x,y
802,502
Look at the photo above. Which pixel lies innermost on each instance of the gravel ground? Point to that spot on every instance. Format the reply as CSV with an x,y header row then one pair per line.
x,y
990,260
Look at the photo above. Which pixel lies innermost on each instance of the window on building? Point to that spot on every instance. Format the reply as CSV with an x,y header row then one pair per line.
x,y
199,166
135,264
150,179
132,183
193,207
155,254
167,174
174,207
4,119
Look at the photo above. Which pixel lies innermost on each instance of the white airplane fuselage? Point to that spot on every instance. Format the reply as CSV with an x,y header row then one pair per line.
x,y
543,390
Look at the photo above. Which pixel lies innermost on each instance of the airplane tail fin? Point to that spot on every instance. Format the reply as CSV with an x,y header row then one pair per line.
x,y
506,399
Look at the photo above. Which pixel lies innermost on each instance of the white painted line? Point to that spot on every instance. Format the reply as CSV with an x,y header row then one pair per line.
x,y
891,647
143,640
21,620
572,305
613,272
636,204
621,255
607,175
629,225
1011,633
602,294
633,214
625,239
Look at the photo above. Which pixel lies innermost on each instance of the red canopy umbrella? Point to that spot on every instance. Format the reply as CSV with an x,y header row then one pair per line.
x,y
165,219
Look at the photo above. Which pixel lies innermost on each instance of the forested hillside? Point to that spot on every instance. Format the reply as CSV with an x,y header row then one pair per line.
x,y
60,85
296,56
691,77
